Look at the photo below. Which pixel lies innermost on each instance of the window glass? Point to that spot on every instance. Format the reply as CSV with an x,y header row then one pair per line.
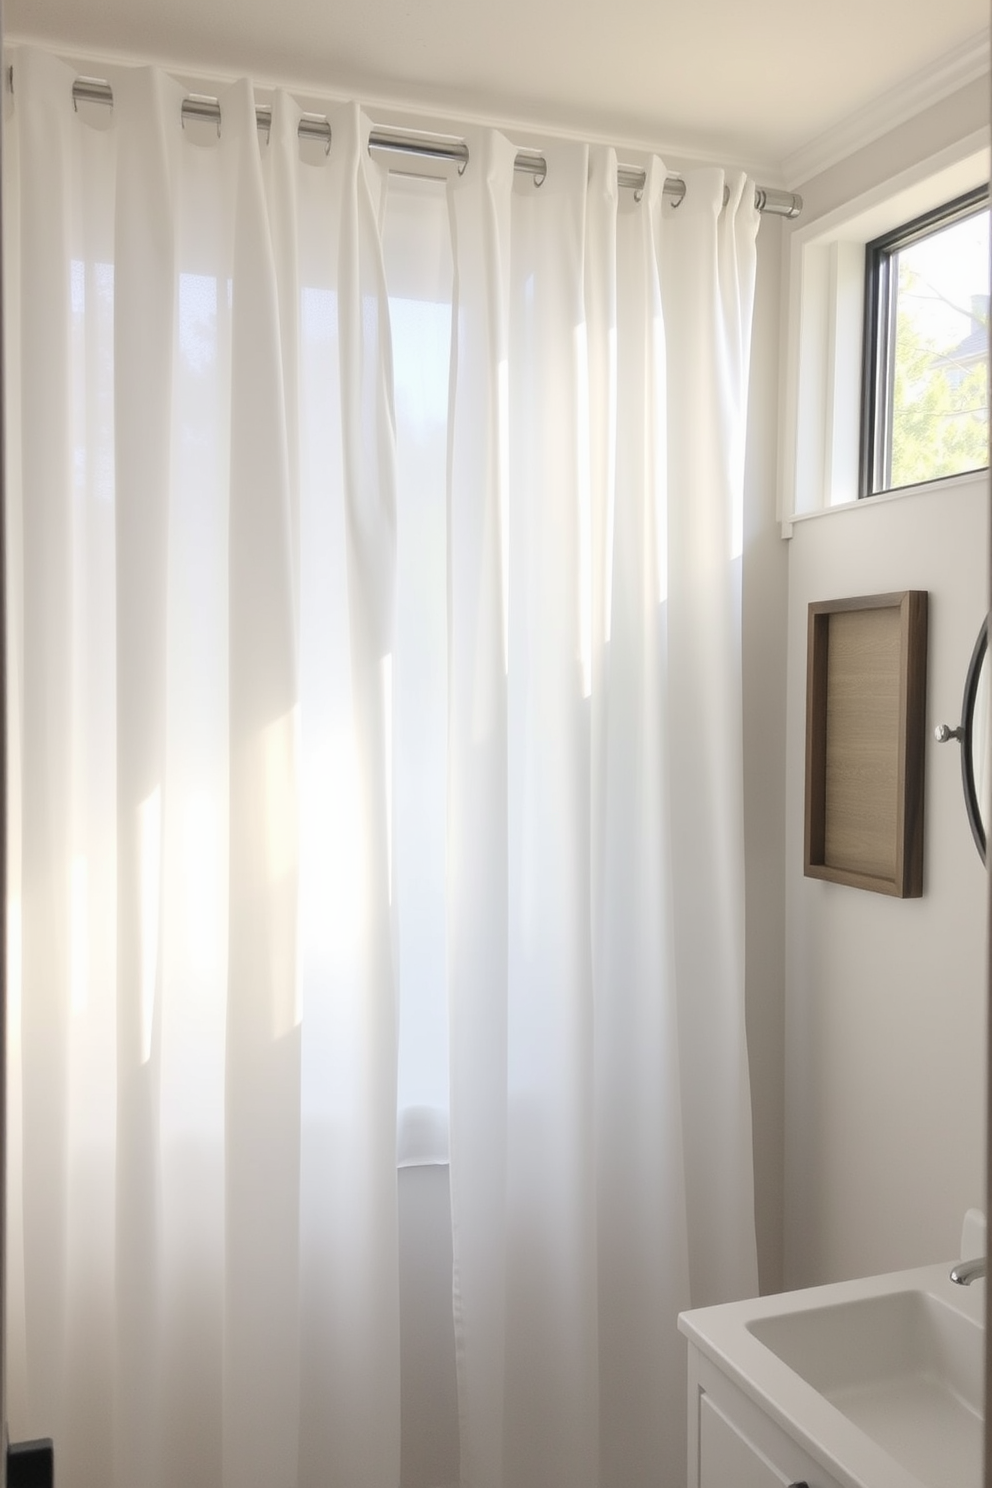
x,y
927,365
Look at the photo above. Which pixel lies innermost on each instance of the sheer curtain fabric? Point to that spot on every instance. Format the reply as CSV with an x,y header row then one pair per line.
x,y
375,700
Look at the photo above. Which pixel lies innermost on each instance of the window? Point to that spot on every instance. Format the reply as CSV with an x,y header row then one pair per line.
x,y
925,381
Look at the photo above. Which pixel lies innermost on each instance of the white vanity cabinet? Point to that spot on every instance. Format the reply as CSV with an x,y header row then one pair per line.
x,y
876,1382
734,1444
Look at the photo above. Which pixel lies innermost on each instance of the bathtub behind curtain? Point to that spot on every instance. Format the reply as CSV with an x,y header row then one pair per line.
x,y
219,506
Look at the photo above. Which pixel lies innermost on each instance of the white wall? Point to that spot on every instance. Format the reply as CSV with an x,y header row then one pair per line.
x,y
925,134
885,998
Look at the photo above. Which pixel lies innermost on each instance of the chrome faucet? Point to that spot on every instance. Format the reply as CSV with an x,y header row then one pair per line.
x,y
965,1272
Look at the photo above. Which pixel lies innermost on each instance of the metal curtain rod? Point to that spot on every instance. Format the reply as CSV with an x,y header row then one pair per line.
x,y
431,147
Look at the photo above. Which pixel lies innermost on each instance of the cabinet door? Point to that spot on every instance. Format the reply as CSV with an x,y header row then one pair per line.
x,y
727,1459
734,1443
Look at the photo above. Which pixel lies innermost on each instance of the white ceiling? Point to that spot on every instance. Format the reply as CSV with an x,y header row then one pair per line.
x,y
752,81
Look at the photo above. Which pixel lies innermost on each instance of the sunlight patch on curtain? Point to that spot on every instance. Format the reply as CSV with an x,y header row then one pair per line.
x,y
79,939
149,868
205,905
198,320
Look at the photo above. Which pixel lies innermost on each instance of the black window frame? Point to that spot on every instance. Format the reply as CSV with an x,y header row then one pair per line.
x,y
878,342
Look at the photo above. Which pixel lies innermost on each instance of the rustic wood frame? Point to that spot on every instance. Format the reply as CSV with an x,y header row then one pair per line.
x,y
865,767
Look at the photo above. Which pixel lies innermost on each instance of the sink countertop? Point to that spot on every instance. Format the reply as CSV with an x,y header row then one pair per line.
x,y
845,1450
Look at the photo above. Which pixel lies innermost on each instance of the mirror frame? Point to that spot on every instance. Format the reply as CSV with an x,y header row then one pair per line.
x,y
967,721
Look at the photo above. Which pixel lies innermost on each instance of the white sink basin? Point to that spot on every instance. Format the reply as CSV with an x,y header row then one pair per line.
x,y
881,1379
903,1366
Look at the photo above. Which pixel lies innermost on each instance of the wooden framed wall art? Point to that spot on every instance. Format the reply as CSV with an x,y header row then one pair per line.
x,y
866,683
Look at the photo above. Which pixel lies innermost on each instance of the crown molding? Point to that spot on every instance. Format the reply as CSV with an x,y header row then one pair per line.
x,y
954,70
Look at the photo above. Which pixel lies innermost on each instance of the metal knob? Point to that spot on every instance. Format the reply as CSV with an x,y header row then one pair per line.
x,y
943,732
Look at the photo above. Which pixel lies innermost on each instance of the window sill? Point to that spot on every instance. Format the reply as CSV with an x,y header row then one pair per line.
x,y
946,485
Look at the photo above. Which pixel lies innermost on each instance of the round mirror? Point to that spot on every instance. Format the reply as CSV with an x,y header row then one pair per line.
x,y
976,766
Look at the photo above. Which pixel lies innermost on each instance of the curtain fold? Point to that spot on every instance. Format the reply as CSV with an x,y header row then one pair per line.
x,y
478,844
707,298
643,1228
350,678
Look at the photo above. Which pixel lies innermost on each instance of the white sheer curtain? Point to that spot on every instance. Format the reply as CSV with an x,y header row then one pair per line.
x,y
601,1153
265,834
